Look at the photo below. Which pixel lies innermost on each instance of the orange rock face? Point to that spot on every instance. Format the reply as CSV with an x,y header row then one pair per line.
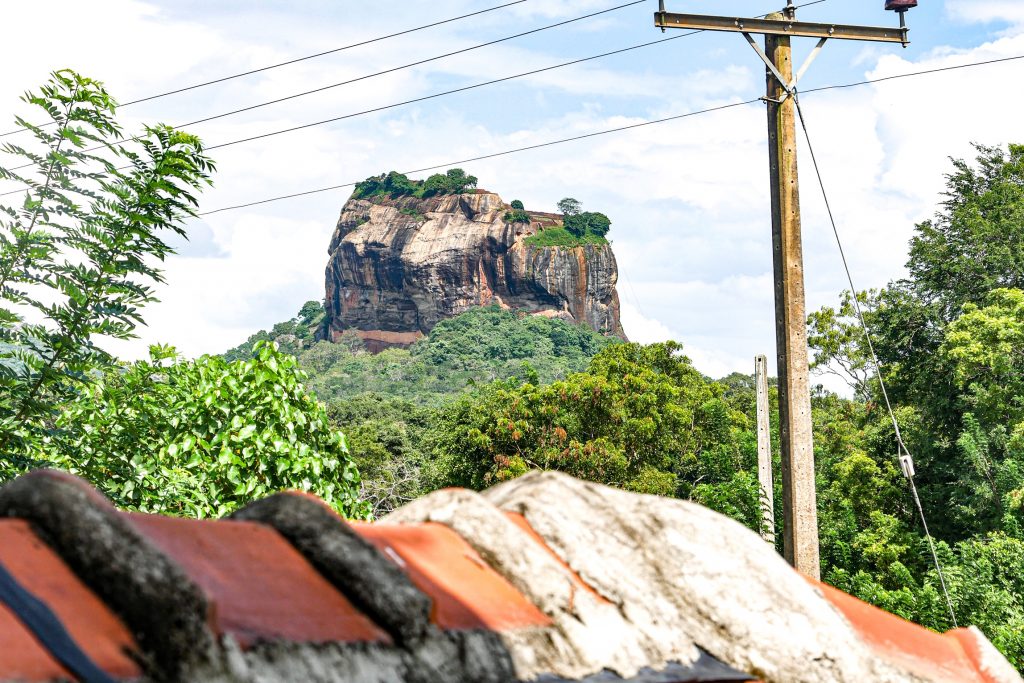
x,y
397,267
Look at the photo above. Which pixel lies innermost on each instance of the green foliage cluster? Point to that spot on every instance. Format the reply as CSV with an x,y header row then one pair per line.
x,y
560,237
291,336
202,437
582,223
77,258
951,340
395,185
517,216
389,403
578,227
587,224
79,255
480,346
635,419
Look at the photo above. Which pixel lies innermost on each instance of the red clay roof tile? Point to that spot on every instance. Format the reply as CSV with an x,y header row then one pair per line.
x,y
87,620
259,586
466,592
932,655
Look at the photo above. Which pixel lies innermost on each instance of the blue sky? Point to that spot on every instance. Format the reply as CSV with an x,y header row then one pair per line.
x,y
688,199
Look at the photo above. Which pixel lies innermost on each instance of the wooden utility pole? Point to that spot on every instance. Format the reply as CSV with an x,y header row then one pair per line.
x,y
799,504
800,512
764,451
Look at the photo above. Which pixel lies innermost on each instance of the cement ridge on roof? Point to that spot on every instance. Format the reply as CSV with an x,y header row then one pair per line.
x,y
545,578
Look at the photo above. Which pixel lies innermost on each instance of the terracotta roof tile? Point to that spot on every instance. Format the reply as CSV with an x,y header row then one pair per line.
x,y
98,632
929,654
259,587
309,596
466,592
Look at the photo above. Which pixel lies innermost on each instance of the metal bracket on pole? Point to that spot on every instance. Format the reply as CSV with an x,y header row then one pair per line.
x,y
764,58
790,87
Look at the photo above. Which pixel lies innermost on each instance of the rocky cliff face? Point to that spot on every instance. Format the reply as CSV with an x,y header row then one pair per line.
x,y
399,266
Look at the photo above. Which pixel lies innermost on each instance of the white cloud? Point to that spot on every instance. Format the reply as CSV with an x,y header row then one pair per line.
x,y
984,11
688,199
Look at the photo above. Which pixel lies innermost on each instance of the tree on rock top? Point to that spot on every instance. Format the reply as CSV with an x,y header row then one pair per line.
x,y
454,181
569,207
395,184
582,223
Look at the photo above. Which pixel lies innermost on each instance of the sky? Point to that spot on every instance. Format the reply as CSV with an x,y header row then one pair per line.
x,y
688,199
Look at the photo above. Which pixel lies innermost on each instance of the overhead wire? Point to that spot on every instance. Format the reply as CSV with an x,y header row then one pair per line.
x,y
609,131
453,91
471,87
299,59
411,64
384,72
496,154
906,465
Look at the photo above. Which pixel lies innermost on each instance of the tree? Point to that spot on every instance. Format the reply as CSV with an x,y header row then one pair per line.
x,y
388,439
517,205
458,181
516,216
569,207
634,419
976,242
392,184
942,340
435,184
837,338
201,438
310,312
598,224
77,257
586,223
985,348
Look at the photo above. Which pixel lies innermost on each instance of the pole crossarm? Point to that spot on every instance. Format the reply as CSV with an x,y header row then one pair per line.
x,y
789,87
781,27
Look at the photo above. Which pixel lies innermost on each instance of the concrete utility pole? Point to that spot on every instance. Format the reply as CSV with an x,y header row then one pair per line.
x,y
764,451
799,500
800,512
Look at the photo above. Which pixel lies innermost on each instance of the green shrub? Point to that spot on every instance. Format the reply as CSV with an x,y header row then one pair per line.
x,y
517,216
587,223
203,437
393,184
560,237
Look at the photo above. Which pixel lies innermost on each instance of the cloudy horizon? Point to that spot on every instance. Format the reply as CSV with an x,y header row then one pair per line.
x,y
688,199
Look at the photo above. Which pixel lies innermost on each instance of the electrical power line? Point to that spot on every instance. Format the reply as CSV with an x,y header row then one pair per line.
x,y
468,87
297,59
499,154
382,73
409,65
906,460
915,73
611,130
453,91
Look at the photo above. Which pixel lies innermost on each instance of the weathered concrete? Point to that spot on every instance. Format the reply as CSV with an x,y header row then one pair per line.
x,y
372,582
670,576
589,634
